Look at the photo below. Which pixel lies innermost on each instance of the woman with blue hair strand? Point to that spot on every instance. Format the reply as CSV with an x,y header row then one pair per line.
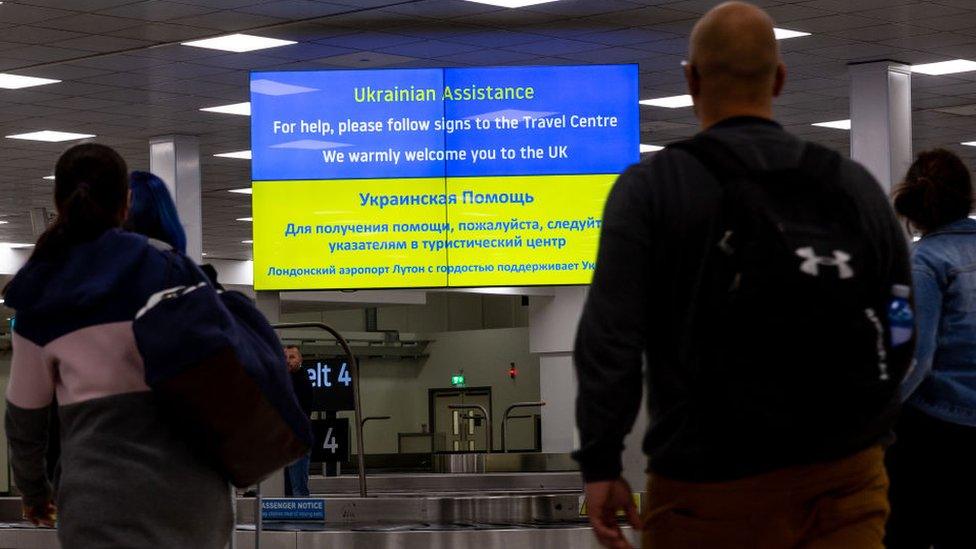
x,y
152,212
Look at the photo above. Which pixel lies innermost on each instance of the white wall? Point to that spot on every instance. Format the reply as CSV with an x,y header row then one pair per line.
x,y
482,334
399,388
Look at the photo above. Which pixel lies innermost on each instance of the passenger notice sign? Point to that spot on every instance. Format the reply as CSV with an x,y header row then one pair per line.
x,y
293,509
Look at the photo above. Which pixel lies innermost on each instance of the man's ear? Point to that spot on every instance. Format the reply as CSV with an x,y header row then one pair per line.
x,y
693,79
780,81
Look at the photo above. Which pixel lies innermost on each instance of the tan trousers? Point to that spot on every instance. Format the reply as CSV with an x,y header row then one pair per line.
x,y
836,505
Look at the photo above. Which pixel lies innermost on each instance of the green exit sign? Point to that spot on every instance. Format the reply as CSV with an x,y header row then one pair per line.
x,y
457,380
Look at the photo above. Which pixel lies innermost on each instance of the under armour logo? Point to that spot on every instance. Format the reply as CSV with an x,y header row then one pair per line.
x,y
812,262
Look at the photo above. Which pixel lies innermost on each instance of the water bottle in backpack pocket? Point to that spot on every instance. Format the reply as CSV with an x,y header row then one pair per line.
x,y
901,318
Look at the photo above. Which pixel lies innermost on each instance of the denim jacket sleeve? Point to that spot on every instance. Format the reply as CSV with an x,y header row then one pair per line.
x,y
928,314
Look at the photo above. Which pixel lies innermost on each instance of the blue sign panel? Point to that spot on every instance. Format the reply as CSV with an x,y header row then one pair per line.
x,y
459,122
293,509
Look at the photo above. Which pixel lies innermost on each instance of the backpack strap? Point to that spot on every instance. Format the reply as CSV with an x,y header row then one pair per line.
x,y
715,156
817,162
820,163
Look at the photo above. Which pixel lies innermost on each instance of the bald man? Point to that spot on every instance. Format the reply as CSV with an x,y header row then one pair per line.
x,y
753,271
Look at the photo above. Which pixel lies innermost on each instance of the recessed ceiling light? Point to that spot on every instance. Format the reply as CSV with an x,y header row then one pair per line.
x,y
786,34
247,242
969,144
945,67
241,191
16,81
2,222
49,177
239,43
511,3
245,219
650,148
243,109
50,136
203,254
673,102
835,124
243,155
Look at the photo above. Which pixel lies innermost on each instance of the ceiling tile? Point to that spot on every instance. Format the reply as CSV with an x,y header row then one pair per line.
x,y
88,23
157,10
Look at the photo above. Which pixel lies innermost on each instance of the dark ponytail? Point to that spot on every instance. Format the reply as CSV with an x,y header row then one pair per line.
x,y
937,190
91,192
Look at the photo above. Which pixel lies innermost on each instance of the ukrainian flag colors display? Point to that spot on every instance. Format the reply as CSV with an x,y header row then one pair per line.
x,y
421,178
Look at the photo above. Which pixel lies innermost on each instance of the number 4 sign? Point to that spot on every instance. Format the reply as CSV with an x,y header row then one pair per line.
x,y
331,440
329,443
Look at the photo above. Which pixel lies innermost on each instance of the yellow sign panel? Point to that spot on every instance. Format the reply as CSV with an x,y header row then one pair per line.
x,y
427,232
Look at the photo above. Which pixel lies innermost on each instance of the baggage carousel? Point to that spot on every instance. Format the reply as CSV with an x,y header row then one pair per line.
x,y
404,511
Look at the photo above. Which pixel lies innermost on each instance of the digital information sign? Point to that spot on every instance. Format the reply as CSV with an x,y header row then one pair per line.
x,y
436,177
332,385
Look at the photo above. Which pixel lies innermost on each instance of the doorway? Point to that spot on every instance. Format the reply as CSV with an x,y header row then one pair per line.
x,y
462,430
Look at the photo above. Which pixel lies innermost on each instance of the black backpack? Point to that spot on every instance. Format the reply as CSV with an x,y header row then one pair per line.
x,y
796,298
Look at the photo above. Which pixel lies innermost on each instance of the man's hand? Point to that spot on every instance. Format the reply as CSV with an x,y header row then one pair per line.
x,y
44,514
603,500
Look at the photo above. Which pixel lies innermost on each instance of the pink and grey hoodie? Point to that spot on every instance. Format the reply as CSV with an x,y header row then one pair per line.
x,y
128,479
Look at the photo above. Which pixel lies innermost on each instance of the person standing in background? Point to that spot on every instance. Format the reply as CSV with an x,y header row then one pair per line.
x,y
753,271
152,213
296,474
932,461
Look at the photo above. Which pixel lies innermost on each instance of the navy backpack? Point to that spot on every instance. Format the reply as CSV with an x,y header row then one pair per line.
x,y
218,369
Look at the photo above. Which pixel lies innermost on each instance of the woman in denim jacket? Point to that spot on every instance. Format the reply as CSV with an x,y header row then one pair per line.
x,y
933,461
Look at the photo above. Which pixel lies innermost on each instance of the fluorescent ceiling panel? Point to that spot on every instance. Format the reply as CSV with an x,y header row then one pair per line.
x,y
243,109
242,155
50,136
239,43
245,219
650,148
673,102
970,144
241,191
511,3
835,124
15,245
786,34
16,81
49,177
247,242
945,67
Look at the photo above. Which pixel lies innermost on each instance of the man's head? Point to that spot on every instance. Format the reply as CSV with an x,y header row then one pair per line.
x,y
293,355
734,66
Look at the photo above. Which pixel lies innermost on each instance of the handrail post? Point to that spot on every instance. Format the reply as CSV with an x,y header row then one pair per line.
x,y
354,366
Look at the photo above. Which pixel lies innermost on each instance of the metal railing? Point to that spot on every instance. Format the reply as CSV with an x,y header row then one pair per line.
x,y
488,434
371,418
354,368
505,418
